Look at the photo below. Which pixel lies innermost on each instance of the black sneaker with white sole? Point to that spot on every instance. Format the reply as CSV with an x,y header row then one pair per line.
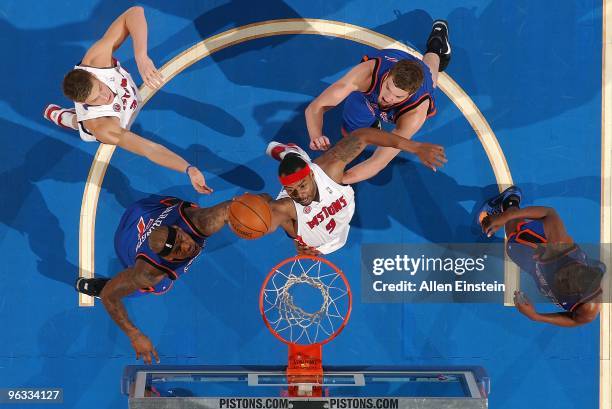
x,y
90,286
438,43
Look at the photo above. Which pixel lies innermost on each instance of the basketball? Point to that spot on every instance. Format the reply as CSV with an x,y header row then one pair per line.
x,y
249,216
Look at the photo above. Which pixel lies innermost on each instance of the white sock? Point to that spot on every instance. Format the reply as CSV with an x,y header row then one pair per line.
x,y
60,116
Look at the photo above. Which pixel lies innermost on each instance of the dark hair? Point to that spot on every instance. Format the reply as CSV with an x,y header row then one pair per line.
x,y
577,279
77,85
290,164
407,75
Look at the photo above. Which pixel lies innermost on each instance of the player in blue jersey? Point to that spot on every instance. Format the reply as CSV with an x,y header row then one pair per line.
x,y
540,245
388,85
157,240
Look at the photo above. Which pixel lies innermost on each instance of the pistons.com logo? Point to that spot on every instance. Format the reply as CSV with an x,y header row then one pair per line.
x,y
116,107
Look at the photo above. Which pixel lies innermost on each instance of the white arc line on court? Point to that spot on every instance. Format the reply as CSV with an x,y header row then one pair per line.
x,y
290,27
445,83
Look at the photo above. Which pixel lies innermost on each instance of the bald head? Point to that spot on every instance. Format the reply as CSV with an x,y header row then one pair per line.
x,y
158,238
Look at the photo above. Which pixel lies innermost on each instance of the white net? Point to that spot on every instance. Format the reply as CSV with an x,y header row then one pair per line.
x,y
311,316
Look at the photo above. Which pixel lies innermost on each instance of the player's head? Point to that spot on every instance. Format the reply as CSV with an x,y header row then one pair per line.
x,y
404,79
297,179
577,279
82,86
173,243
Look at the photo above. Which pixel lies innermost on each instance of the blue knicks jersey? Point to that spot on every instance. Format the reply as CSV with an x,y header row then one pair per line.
x,y
384,60
137,223
521,248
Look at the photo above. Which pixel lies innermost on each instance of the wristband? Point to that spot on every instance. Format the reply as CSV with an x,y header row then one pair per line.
x,y
187,169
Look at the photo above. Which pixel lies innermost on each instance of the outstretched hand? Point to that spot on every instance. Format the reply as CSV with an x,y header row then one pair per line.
x,y
431,155
305,250
144,348
523,304
150,75
491,223
198,181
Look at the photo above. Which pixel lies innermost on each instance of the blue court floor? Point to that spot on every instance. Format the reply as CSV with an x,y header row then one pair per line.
x,y
541,98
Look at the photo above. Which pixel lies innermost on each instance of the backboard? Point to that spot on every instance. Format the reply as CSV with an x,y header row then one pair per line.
x,y
151,387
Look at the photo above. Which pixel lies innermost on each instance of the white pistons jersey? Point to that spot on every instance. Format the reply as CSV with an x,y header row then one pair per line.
x,y
325,224
124,106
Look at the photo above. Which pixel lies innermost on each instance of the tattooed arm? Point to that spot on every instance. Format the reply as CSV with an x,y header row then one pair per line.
x,y
142,275
348,148
209,220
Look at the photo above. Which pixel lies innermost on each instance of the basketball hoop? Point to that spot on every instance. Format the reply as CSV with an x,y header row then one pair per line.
x,y
305,302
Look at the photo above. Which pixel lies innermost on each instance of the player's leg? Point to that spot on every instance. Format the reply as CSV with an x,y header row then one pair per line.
x,y
63,117
94,286
91,286
438,52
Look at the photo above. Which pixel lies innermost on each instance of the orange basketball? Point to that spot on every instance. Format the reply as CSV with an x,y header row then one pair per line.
x,y
250,216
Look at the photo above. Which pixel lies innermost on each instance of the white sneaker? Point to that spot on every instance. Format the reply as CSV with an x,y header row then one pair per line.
x,y
277,150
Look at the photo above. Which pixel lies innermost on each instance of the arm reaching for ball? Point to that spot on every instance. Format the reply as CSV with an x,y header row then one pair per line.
x,y
252,216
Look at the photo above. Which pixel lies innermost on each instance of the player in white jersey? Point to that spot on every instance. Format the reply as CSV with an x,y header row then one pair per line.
x,y
315,208
107,100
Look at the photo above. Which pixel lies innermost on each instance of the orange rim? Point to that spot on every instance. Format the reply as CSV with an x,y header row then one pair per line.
x,y
294,259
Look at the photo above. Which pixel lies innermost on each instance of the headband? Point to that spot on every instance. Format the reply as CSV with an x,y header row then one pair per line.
x,y
169,244
295,177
